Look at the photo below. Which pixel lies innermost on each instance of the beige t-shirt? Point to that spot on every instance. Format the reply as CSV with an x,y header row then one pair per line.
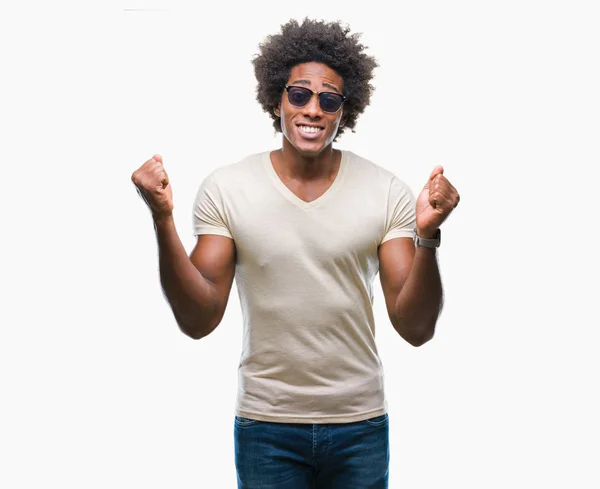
x,y
304,274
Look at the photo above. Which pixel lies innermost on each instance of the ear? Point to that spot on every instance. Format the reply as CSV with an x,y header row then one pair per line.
x,y
343,120
277,110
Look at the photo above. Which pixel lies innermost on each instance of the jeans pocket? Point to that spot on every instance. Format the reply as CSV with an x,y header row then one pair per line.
x,y
242,422
377,420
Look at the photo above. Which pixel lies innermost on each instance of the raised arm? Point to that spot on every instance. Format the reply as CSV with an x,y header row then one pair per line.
x,y
410,278
197,287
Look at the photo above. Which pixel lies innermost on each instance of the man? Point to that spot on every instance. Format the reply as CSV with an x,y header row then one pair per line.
x,y
305,229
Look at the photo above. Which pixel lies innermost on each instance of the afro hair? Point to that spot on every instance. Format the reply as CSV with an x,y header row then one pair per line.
x,y
329,43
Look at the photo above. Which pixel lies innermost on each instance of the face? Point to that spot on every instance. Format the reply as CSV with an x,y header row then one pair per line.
x,y
309,129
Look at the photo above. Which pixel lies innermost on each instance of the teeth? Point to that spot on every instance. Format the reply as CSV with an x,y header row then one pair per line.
x,y
309,129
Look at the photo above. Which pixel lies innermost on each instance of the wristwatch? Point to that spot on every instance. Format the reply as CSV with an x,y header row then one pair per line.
x,y
429,243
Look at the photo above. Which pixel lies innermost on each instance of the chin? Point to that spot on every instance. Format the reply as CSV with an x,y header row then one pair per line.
x,y
309,148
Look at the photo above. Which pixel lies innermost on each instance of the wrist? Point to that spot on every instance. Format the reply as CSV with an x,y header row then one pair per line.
x,y
427,233
162,219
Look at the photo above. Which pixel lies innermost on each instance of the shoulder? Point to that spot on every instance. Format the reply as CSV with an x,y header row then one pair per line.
x,y
239,171
231,177
367,170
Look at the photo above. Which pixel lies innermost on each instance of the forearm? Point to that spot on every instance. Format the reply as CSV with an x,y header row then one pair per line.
x,y
420,301
189,294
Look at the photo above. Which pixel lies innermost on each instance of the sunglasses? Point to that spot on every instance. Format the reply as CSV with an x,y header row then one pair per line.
x,y
329,101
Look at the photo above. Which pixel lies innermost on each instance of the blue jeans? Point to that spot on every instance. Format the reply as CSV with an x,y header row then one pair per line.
x,y
312,456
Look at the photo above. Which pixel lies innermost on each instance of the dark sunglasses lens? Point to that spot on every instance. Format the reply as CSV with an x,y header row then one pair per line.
x,y
330,102
299,96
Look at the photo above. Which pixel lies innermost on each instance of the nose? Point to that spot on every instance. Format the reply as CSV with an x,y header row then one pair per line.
x,y
312,109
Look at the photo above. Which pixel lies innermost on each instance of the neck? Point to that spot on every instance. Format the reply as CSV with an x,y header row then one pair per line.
x,y
300,166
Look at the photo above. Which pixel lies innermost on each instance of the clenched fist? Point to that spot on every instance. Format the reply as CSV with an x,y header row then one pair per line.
x,y
435,203
152,184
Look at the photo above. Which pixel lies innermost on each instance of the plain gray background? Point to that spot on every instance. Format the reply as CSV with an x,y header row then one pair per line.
x,y
98,386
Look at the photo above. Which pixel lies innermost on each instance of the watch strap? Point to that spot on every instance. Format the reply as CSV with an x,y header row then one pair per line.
x,y
429,242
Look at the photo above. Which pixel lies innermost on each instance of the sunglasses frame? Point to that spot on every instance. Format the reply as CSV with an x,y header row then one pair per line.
x,y
344,98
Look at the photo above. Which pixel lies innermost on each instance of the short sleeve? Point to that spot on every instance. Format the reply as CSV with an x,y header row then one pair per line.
x,y
401,215
209,215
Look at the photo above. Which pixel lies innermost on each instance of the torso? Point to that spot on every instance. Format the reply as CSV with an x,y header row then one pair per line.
x,y
306,259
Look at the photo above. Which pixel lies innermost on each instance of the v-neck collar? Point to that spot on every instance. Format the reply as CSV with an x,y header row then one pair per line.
x,y
291,196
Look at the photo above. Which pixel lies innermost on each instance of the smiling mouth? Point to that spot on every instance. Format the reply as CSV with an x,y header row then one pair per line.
x,y
310,129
